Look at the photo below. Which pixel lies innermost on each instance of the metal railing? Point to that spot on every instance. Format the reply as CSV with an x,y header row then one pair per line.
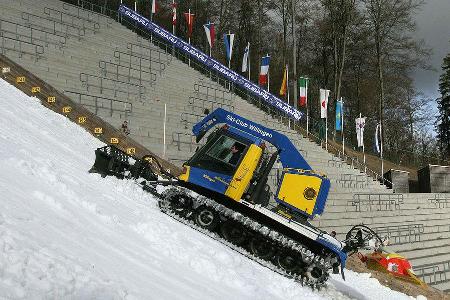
x,y
98,82
401,234
177,140
433,274
209,104
36,35
21,47
149,51
440,200
213,93
353,180
101,103
57,26
139,61
121,72
74,20
81,11
376,202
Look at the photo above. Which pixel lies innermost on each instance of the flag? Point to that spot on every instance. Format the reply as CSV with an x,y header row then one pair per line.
x,y
303,88
339,114
377,145
210,33
265,61
245,58
360,123
284,83
190,22
174,13
324,103
153,6
228,39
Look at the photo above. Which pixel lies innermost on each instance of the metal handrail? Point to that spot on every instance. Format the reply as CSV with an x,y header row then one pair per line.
x,y
36,53
103,66
118,54
109,21
433,273
383,201
96,25
214,104
84,78
412,232
177,141
81,32
61,39
127,106
130,46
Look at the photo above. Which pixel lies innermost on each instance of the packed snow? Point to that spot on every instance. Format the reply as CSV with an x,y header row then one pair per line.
x,y
68,234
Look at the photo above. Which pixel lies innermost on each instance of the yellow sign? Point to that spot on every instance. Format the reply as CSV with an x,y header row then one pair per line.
x,y
35,89
67,109
20,79
98,130
114,140
6,70
131,151
82,120
51,99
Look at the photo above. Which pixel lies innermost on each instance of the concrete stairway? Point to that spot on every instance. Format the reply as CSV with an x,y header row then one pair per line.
x,y
121,76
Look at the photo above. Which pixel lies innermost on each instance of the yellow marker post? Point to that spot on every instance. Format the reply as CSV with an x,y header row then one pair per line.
x,y
114,140
82,120
51,99
67,109
98,130
20,79
35,89
131,151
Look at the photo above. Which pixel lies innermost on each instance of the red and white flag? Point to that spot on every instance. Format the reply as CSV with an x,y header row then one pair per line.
x,y
263,74
190,22
324,103
210,34
174,13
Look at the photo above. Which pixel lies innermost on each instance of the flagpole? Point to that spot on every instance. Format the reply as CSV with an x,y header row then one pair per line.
x,y
189,38
268,77
173,25
362,140
248,61
381,154
151,20
342,129
326,119
307,110
229,43
287,88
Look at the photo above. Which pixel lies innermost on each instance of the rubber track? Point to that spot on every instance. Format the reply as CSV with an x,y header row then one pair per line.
x,y
288,243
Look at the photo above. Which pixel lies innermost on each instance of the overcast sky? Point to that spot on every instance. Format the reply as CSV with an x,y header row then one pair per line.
x,y
433,24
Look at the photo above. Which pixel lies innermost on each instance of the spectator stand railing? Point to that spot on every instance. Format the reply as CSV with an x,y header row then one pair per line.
x,y
58,27
88,14
201,104
99,83
20,47
35,35
440,200
433,274
101,103
140,49
138,60
122,73
401,234
376,202
73,20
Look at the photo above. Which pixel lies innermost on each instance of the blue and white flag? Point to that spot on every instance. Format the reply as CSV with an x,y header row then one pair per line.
x,y
228,39
339,114
245,58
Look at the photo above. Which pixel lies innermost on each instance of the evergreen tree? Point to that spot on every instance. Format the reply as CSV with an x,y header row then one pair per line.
x,y
443,125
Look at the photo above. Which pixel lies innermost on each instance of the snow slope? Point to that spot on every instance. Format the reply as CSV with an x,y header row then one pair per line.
x,y
68,234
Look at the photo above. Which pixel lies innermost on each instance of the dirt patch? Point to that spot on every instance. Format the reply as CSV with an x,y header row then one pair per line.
x,y
355,264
